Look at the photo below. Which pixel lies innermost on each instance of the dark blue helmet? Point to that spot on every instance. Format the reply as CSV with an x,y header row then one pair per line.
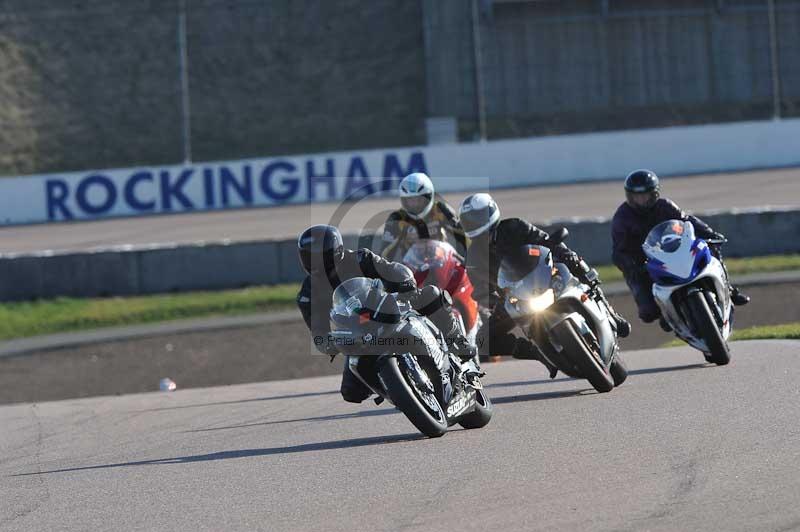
x,y
642,190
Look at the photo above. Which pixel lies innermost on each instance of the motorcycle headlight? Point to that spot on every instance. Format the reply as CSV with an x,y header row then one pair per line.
x,y
542,301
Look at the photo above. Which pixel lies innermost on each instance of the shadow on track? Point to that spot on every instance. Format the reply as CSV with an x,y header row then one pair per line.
x,y
336,392
248,453
333,417
242,401
541,396
572,393
648,371
526,383
643,371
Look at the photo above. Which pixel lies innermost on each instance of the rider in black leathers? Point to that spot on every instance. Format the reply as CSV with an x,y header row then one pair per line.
x,y
643,210
491,240
328,264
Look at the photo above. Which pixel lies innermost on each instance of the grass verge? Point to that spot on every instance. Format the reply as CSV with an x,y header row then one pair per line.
x,y
20,320
786,331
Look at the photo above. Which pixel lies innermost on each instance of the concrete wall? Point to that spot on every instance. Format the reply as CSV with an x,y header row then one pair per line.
x,y
221,266
89,83
97,83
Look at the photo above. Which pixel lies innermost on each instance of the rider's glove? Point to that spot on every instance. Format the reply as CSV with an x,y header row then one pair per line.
x,y
571,259
717,236
578,267
406,287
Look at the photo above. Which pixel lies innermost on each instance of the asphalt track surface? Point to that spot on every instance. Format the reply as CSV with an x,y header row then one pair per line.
x,y
681,446
779,188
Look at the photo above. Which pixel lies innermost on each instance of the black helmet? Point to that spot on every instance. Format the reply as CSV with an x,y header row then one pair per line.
x,y
478,214
320,248
642,189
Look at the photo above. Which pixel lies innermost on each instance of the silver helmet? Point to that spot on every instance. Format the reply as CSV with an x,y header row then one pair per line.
x,y
478,213
417,195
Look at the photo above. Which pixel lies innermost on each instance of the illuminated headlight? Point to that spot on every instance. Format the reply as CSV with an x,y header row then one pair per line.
x,y
543,301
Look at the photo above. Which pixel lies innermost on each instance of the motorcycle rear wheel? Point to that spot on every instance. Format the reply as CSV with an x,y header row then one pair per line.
x,y
431,422
482,414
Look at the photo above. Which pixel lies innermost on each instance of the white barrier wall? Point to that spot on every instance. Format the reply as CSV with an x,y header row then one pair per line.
x,y
335,176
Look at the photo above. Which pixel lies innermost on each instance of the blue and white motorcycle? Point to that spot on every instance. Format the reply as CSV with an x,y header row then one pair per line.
x,y
690,286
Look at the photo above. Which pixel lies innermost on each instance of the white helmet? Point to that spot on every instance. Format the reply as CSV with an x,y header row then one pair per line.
x,y
478,213
416,195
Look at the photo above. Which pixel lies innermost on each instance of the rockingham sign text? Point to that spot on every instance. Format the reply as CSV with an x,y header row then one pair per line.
x,y
453,167
215,186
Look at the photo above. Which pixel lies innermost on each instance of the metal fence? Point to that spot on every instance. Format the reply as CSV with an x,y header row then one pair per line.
x,y
508,68
110,83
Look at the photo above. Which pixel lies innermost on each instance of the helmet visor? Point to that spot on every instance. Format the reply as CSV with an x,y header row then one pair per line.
x,y
416,204
360,301
317,262
476,223
642,200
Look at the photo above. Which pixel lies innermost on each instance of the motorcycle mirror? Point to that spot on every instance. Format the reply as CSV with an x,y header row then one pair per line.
x,y
559,235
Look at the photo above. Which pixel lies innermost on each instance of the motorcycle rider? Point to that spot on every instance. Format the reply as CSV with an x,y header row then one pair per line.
x,y
643,209
424,215
491,239
327,264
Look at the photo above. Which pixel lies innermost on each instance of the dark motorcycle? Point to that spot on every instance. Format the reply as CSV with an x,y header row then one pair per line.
x,y
403,358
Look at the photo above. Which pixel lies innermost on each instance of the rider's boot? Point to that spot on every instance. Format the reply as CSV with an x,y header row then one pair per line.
x,y
623,325
352,389
463,349
452,330
528,350
738,298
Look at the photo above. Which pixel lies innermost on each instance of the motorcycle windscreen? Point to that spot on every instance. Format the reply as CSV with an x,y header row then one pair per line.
x,y
667,236
360,303
527,272
433,253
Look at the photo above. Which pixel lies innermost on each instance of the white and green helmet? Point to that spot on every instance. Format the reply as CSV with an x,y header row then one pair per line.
x,y
417,195
478,213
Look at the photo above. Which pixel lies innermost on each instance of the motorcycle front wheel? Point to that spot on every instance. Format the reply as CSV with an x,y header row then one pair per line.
x,y
578,351
706,326
619,371
419,406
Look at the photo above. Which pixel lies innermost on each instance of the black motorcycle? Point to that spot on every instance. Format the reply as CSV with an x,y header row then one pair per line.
x,y
403,358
